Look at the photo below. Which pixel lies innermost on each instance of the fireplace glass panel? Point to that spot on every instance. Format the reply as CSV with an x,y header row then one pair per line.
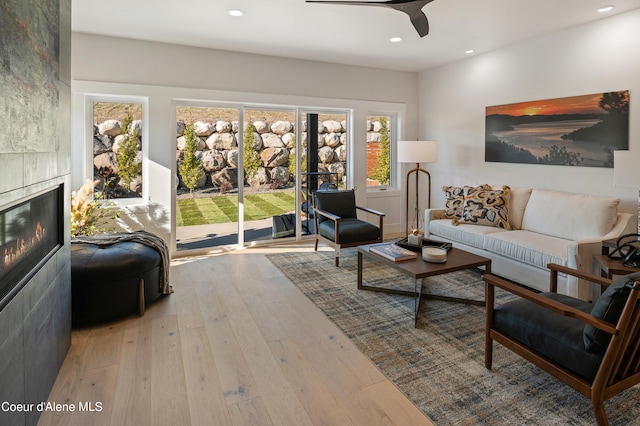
x,y
30,232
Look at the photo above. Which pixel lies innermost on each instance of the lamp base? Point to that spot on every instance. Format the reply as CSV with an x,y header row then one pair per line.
x,y
417,170
414,239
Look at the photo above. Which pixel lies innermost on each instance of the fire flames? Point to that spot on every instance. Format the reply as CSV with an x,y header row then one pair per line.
x,y
23,246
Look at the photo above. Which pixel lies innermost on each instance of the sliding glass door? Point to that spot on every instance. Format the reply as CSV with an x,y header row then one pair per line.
x,y
247,175
207,177
268,198
236,176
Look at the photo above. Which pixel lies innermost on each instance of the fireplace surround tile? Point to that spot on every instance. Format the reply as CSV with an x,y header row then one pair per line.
x,y
11,368
46,325
63,161
11,314
40,285
12,166
62,313
39,166
33,350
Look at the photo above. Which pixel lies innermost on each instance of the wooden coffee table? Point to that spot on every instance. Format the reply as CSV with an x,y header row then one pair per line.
x,y
419,269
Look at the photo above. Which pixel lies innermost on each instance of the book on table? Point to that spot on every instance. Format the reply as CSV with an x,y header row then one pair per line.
x,y
392,251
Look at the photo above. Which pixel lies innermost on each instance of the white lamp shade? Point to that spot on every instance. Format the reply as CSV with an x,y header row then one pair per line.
x,y
417,151
626,169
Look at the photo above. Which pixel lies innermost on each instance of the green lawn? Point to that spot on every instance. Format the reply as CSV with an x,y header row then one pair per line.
x,y
224,208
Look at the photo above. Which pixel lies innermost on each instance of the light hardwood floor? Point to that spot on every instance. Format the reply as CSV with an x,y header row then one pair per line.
x,y
235,344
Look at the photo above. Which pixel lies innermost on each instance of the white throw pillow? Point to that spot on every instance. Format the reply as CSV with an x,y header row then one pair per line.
x,y
570,216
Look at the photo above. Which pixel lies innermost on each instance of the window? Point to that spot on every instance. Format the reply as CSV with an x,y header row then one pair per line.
x,y
380,170
117,149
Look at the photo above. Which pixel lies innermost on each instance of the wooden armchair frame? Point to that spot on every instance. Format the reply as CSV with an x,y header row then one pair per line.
x,y
336,243
620,366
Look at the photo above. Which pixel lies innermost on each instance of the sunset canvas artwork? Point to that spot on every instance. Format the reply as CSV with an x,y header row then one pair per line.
x,y
573,131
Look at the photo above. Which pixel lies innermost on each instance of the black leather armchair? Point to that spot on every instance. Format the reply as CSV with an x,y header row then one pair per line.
x,y
592,347
337,223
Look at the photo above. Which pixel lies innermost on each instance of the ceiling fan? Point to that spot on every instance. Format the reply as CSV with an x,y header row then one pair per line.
x,y
413,8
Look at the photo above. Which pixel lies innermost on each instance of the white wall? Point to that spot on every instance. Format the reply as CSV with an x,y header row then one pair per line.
x,y
162,73
600,57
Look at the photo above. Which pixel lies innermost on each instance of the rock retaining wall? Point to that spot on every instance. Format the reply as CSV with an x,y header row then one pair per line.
x,y
217,147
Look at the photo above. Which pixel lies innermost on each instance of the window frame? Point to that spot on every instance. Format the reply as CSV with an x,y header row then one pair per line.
x,y
393,126
90,100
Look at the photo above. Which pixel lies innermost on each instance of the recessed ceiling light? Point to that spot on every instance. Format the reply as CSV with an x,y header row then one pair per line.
x,y
605,8
236,12
469,51
395,39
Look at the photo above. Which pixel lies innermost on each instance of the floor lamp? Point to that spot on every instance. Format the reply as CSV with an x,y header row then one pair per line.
x,y
626,173
417,152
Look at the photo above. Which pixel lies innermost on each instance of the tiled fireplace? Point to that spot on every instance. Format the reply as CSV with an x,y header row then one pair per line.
x,y
35,150
35,303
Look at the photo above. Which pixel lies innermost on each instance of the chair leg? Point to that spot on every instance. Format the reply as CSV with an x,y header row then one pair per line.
x,y
488,350
598,409
315,248
488,341
337,255
488,353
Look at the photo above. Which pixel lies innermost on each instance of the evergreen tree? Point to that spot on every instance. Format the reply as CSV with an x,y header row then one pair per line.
x,y
128,166
191,166
252,161
382,170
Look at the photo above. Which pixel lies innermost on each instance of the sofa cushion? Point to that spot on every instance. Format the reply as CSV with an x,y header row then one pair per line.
x,y
351,230
553,335
471,235
517,205
455,198
528,247
487,207
609,308
554,213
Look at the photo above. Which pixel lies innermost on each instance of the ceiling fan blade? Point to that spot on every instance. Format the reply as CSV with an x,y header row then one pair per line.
x,y
352,3
368,3
420,23
413,8
417,16
373,3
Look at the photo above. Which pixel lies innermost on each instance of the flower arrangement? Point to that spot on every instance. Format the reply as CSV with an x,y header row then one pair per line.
x,y
88,216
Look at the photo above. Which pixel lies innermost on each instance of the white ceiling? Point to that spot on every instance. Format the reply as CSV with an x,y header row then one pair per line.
x,y
357,35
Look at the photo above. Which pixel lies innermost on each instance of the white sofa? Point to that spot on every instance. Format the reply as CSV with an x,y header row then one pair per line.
x,y
548,227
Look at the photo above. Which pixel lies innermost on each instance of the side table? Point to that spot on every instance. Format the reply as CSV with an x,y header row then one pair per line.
x,y
607,245
608,268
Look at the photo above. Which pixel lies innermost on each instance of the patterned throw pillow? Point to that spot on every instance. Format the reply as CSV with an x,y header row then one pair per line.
x,y
455,199
489,207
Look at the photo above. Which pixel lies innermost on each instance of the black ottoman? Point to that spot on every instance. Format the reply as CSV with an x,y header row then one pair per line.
x,y
106,280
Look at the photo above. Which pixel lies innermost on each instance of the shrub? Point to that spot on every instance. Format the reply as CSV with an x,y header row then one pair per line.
x,y
191,166
128,167
252,161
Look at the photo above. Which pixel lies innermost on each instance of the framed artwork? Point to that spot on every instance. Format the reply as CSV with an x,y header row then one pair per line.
x,y
574,131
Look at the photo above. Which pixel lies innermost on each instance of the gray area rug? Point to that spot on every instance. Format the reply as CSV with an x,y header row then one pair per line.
x,y
439,365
